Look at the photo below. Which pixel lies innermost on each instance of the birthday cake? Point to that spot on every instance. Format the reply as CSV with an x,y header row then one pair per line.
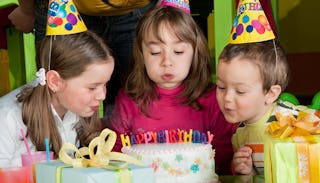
x,y
184,161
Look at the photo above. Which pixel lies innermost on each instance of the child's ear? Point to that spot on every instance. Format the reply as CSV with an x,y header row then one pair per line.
x,y
53,80
273,94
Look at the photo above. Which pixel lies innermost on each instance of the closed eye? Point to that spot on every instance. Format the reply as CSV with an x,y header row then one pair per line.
x,y
220,87
241,92
178,52
155,53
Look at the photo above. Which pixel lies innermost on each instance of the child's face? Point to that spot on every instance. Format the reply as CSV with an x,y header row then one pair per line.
x,y
168,62
83,94
240,93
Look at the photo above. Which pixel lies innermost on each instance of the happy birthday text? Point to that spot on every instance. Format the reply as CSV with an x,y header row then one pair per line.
x,y
167,136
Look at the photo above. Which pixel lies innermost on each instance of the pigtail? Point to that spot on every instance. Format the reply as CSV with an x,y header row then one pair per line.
x,y
38,118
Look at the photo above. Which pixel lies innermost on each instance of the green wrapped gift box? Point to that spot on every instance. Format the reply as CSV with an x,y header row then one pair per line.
x,y
59,172
293,159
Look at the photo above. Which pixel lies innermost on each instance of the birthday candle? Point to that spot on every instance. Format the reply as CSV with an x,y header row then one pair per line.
x,y
139,138
196,136
154,137
180,135
172,136
161,136
147,137
187,136
210,137
167,136
133,139
125,140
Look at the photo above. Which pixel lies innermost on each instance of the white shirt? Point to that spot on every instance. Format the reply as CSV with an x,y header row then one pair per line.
x,y
11,143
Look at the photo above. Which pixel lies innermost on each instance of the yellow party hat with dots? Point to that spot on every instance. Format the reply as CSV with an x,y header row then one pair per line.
x,y
250,24
63,18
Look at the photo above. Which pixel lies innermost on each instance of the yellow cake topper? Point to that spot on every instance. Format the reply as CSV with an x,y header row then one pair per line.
x,y
63,18
250,24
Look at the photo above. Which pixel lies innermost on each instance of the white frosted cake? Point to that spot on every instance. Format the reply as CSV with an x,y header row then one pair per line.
x,y
177,162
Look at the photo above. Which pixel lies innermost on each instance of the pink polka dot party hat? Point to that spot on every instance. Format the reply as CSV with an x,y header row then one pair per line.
x,y
182,4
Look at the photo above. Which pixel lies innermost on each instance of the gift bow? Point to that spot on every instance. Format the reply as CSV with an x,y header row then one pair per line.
x,y
301,129
289,126
102,158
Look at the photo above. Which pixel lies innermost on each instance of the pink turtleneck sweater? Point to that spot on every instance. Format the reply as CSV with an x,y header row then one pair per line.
x,y
166,113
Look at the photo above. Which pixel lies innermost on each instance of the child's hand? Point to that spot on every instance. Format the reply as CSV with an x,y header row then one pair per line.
x,y
242,161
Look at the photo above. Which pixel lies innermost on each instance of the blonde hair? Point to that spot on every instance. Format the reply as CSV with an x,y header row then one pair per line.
x,y
70,56
198,82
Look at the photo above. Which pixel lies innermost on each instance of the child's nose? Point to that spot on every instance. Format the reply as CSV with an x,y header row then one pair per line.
x,y
166,61
228,96
101,95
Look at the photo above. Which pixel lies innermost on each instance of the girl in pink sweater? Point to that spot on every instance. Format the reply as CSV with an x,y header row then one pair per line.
x,y
170,86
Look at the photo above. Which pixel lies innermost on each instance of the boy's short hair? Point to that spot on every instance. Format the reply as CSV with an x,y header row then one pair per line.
x,y
272,63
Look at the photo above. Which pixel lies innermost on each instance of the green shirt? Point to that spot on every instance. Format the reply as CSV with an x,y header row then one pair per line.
x,y
252,134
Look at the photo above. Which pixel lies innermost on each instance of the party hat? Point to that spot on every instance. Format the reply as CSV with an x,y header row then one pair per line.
x,y
250,24
63,18
182,4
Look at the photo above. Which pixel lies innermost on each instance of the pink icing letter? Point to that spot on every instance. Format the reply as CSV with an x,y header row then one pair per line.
x,y
147,137
210,137
139,138
172,136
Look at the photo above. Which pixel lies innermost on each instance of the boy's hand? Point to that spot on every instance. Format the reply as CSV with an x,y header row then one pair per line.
x,y
21,20
242,161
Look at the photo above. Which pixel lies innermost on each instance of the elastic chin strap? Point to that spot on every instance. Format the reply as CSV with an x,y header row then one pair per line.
x,y
276,53
50,49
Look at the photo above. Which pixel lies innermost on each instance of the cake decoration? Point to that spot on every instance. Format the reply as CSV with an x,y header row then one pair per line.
x,y
177,162
167,136
175,155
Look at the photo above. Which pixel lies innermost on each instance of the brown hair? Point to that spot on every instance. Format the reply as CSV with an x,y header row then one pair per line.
x,y
70,56
138,85
263,54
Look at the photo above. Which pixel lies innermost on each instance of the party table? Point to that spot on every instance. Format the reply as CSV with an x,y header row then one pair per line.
x,y
241,179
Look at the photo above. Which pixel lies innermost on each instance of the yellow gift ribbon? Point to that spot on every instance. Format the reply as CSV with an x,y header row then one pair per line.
x,y
301,129
307,158
314,159
102,158
123,175
289,126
